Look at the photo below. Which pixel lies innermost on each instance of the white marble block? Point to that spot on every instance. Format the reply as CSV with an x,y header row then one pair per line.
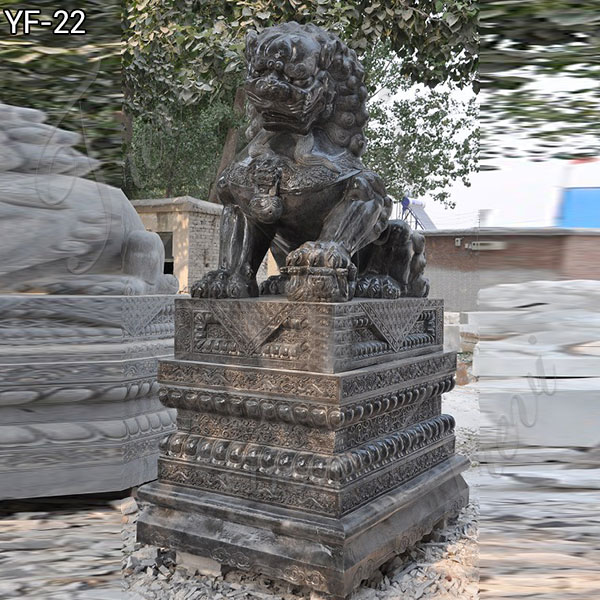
x,y
553,413
79,408
539,329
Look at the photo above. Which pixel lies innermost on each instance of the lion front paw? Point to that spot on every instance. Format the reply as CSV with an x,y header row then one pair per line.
x,y
328,255
222,284
273,286
377,286
320,272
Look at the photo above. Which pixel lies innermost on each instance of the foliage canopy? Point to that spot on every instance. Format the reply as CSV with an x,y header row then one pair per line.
x,y
76,79
421,140
539,69
191,54
180,51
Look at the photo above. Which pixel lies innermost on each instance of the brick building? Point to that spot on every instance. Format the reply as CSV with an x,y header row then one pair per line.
x,y
189,229
461,262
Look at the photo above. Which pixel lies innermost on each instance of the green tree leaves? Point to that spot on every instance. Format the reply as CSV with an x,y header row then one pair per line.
x,y
76,79
177,156
178,52
539,69
420,140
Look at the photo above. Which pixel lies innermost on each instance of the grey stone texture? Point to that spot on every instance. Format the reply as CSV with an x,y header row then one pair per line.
x,y
538,364
540,412
308,336
60,233
303,469
539,329
79,407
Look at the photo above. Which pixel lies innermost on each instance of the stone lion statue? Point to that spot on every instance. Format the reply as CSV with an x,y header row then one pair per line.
x,y
299,187
61,233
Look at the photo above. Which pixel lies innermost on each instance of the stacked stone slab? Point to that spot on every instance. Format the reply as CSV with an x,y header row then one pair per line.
x,y
538,363
310,444
79,408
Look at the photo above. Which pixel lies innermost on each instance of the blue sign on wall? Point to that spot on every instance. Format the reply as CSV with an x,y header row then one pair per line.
x,y
580,207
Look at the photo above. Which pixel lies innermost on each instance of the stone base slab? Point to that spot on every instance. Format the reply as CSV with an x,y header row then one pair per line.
x,y
327,554
307,336
89,449
79,407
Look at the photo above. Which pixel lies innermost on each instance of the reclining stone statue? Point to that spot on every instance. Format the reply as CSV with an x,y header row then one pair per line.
x,y
61,233
299,187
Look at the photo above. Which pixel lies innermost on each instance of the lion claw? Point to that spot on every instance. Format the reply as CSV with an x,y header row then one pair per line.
x,y
377,286
222,284
320,271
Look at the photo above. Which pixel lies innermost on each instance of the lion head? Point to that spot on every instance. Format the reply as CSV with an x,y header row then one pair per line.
x,y
301,77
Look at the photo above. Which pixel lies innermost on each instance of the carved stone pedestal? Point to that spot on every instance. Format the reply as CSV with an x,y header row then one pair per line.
x,y
310,443
79,408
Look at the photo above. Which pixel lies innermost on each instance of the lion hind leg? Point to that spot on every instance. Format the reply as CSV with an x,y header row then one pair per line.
x,y
418,285
393,265
384,264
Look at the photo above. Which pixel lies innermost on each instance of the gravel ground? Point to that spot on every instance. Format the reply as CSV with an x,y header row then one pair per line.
x,y
80,549
63,548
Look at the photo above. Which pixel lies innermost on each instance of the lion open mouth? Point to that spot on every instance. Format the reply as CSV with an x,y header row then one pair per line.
x,y
297,113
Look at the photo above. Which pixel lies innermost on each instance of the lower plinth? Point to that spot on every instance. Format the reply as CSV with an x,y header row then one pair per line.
x,y
329,555
79,406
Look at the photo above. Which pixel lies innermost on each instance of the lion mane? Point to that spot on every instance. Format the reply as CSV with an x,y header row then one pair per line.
x,y
345,115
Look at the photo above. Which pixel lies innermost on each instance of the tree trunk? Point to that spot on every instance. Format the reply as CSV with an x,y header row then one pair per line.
x,y
231,141
127,126
175,157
